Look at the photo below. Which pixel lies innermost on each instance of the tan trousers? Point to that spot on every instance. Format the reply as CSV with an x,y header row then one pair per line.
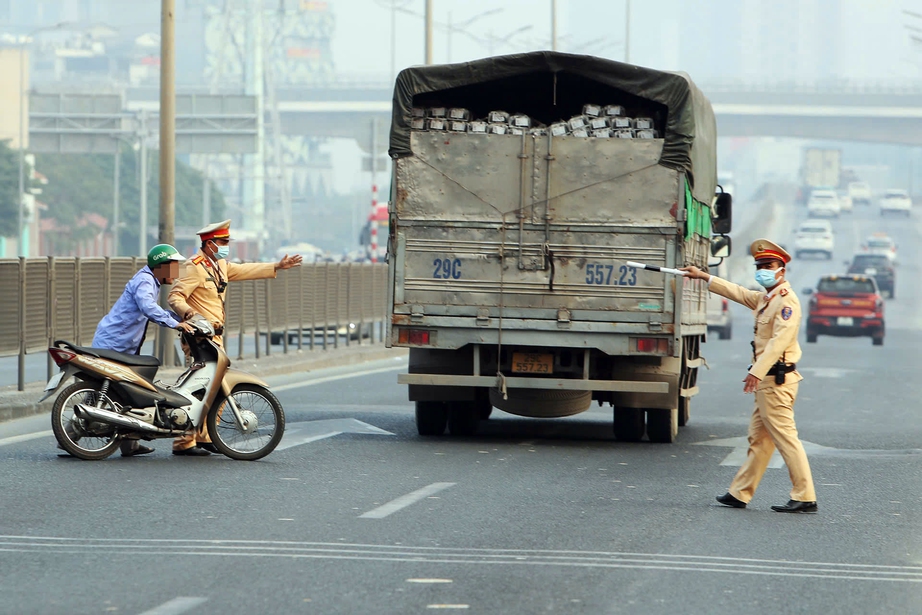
x,y
772,425
181,443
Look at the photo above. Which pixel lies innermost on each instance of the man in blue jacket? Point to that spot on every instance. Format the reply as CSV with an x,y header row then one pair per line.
x,y
124,328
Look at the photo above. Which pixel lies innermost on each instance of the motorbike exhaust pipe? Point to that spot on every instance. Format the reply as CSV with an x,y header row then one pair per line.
x,y
82,411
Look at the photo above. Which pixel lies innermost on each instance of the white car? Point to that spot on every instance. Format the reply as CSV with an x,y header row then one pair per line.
x,y
845,202
881,245
814,237
860,192
896,202
823,203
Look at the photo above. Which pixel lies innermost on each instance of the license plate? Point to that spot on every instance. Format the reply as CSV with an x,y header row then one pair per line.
x,y
54,382
845,321
871,271
532,363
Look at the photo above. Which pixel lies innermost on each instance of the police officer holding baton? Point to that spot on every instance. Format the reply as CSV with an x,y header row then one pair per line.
x,y
772,377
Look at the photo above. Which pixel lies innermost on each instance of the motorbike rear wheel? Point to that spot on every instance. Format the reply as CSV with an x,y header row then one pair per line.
x,y
263,431
89,440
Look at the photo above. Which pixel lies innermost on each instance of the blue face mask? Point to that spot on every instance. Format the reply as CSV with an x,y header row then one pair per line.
x,y
223,252
766,277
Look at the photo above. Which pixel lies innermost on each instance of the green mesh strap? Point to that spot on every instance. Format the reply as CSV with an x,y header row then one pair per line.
x,y
698,216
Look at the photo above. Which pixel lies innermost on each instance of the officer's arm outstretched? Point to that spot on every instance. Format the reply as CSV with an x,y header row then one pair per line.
x,y
733,292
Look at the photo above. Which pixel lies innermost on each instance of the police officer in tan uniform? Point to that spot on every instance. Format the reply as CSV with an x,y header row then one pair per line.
x,y
772,377
202,290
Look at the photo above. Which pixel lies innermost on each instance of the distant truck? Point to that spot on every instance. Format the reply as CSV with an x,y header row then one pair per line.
x,y
860,192
822,169
522,187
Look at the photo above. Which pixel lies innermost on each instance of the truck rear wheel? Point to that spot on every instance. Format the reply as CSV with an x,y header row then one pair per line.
x,y
628,424
662,425
431,417
462,418
684,410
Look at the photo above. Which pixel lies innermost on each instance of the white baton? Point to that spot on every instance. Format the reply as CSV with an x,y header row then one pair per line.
x,y
655,268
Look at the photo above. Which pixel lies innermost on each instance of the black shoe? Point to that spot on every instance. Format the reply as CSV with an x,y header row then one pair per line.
x,y
793,506
193,452
208,446
728,500
131,448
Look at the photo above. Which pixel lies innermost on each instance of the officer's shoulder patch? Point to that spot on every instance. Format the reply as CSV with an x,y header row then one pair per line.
x,y
783,292
786,313
198,259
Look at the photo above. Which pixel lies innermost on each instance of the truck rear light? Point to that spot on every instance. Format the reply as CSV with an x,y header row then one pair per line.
x,y
417,337
651,344
724,305
61,357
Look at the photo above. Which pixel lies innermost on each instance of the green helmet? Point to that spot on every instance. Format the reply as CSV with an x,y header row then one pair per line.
x,y
163,253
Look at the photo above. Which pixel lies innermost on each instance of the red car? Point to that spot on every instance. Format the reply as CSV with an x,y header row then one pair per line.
x,y
846,306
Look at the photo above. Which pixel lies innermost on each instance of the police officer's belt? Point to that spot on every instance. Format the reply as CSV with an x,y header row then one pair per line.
x,y
787,369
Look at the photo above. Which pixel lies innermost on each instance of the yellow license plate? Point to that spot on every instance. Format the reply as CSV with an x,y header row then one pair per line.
x,y
532,363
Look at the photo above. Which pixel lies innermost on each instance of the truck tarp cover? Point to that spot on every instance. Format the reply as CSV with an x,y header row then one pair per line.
x,y
552,86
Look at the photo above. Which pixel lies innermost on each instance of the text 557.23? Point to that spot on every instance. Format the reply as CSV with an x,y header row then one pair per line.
x,y
599,274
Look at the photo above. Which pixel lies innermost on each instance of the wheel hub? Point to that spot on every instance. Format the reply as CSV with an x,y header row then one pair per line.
x,y
250,422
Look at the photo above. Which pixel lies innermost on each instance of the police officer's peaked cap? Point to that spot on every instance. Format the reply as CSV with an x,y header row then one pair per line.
x,y
218,230
764,251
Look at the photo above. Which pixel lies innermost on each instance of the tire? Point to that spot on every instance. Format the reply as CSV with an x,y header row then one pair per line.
x,y
662,425
725,333
65,426
798,255
431,417
258,404
628,424
684,410
484,410
542,403
877,341
462,418
891,293
829,256
811,338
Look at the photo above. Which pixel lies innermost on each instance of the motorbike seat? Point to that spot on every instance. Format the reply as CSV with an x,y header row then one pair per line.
x,y
134,360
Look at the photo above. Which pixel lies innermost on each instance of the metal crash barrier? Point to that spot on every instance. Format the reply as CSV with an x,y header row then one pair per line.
x,y
47,299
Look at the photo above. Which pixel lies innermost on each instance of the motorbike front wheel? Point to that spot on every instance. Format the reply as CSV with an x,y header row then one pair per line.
x,y
90,440
264,423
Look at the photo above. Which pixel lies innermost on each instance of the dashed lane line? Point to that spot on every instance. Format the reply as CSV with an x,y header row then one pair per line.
x,y
405,500
176,606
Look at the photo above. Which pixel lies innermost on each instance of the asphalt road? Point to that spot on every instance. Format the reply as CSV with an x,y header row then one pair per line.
x,y
357,514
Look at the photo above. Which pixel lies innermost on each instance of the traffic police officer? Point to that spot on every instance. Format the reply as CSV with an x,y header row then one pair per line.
x,y
201,290
772,377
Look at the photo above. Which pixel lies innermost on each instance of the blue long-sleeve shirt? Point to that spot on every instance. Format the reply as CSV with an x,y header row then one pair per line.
x,y
122,329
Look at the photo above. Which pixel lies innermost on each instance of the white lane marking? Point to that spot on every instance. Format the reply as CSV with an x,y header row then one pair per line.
x,y
828,372
310,383
405,500
448,606
176,606
740,447
430,581
25,437
305,432
414,555
738,455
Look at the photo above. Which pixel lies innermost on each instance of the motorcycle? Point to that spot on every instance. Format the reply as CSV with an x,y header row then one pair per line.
x,y
115,397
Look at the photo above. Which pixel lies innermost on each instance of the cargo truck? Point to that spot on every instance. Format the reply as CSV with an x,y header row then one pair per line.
x,y
522,186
